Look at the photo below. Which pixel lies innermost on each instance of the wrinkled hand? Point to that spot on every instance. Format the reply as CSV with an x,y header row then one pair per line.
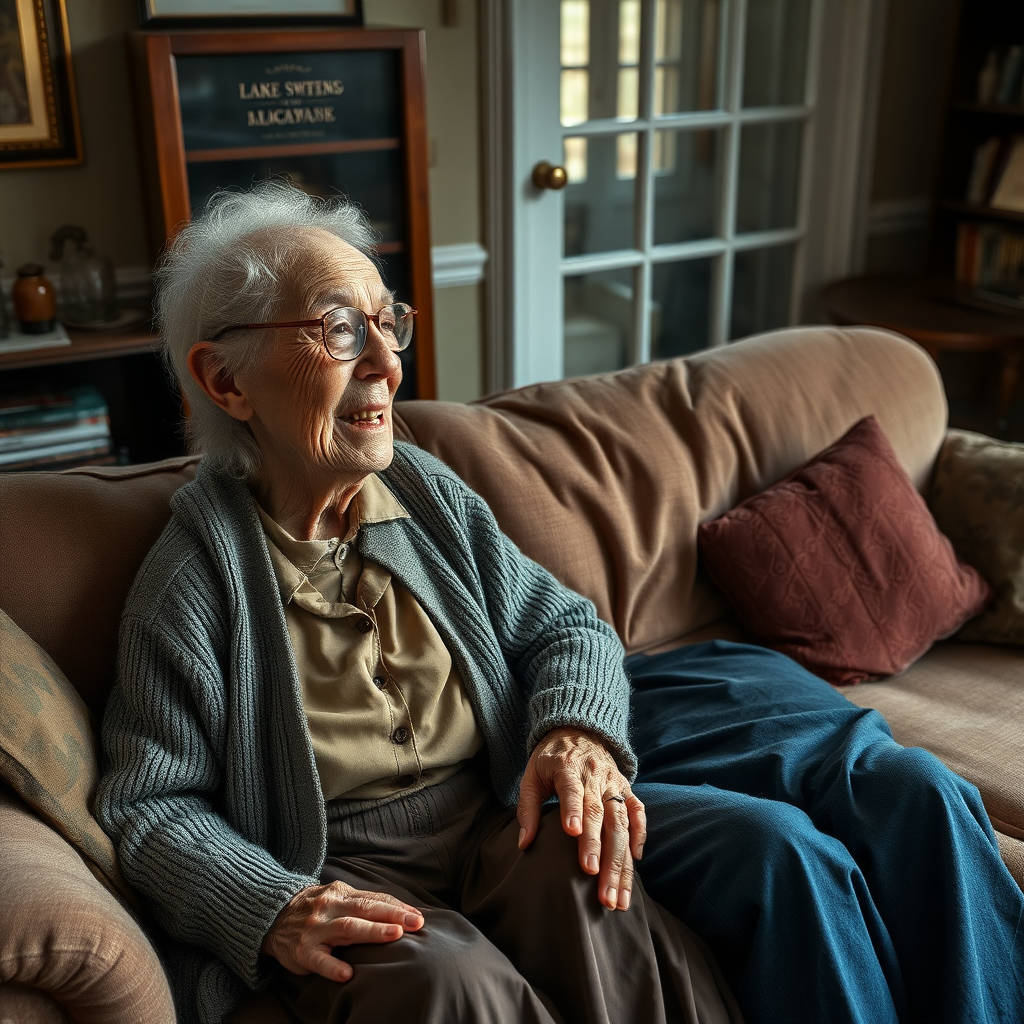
x,y
324,916
577,766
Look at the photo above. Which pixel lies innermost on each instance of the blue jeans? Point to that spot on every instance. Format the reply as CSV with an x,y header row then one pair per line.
x,y
838,876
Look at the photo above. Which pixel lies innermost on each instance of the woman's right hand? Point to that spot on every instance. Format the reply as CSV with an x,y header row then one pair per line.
x,y
324,916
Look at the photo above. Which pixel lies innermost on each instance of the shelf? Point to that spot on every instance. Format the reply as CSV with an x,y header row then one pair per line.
x,y
85,346
1000,109
199,156
981,210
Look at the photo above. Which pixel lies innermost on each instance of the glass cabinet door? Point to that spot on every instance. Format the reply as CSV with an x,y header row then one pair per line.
x,y
334,117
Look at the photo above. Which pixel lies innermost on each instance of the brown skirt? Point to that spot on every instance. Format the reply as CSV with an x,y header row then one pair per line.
x,y
509,936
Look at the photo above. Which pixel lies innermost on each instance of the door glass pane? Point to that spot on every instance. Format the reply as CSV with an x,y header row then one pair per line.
x,y
686,184
775,52
598,322
681,307
574,57
599,206
686,55
600,58
769,176
761,291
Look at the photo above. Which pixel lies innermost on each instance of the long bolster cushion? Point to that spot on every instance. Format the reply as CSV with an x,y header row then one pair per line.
x,y
64,934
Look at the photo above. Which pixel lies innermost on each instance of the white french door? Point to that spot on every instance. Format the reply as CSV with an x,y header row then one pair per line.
x,y
684,129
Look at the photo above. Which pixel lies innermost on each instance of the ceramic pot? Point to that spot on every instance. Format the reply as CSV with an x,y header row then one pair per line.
x,y
35,303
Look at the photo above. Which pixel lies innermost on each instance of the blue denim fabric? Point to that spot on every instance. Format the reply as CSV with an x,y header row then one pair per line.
x,y
838,876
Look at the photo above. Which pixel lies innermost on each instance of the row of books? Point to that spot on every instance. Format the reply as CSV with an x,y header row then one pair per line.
x,y
1001,79
991,258
997,174
55,429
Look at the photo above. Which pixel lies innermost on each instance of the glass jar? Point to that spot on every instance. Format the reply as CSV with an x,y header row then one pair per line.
x,y
88,290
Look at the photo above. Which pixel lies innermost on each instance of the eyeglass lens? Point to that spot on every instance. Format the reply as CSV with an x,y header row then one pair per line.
x,y
345,329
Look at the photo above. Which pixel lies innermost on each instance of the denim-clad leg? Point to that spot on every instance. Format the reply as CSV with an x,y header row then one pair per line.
x,y
838,876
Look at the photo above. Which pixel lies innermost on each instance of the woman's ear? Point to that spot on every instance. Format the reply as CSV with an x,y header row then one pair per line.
x,y
208,372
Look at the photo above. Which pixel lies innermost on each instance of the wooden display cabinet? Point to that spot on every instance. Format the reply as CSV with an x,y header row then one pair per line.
x,y
336,111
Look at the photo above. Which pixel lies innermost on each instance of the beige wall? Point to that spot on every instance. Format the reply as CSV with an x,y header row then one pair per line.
x,y
104,195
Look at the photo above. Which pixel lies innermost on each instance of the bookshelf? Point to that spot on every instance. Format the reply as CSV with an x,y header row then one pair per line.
x,y
972,240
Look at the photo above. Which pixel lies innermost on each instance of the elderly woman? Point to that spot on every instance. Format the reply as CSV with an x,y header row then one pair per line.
x,y
337,676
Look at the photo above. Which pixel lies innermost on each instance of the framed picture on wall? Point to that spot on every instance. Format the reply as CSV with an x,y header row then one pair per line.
x,y
38,112
237,13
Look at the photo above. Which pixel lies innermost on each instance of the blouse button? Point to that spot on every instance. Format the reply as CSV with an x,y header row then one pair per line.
x,y
404,781
364,625
400,735
380,682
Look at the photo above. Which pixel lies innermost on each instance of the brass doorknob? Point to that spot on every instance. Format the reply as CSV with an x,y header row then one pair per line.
x,y
547,175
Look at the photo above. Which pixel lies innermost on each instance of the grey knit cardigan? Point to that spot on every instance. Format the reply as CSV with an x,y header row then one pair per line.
x,y
210,789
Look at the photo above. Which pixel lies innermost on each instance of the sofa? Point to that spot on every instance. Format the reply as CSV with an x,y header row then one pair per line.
x,y
602,479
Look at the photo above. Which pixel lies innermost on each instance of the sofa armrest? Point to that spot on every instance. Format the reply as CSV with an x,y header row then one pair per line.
x,y
20,1005
65,935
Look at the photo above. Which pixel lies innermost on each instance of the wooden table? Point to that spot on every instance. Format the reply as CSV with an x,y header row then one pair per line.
x,y
936,315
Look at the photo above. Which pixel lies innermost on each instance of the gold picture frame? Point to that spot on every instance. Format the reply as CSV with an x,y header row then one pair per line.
x,y
38,110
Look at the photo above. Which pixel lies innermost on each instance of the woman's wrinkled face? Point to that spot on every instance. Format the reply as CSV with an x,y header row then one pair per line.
x,y
312,414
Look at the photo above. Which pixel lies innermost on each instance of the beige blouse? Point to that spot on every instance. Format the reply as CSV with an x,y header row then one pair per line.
x,y
386,707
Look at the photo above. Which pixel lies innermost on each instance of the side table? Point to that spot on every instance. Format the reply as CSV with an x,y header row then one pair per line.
x,y
934,314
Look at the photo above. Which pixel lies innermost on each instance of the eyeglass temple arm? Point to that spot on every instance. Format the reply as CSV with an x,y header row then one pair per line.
x,y
255,327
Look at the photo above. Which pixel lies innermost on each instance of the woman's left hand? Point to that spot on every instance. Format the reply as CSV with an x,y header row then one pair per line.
x,y
596,803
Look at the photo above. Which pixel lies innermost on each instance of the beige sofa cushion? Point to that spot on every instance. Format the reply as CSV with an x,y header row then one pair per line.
x,y
605,479
71,544
965,703
64,934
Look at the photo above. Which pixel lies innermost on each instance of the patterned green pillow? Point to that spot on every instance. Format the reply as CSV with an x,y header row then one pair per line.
x,y
977,499
48,751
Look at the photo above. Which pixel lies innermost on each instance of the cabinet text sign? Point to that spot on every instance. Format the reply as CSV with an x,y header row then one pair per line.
x,y
244,100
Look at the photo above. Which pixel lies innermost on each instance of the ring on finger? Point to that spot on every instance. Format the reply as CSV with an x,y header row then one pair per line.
x,y
618,798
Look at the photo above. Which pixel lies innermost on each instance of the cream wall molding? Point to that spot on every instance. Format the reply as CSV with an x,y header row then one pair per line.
x,y
898,216
460,264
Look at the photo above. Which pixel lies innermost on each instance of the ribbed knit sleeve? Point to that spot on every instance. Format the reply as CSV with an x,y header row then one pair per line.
x,y
205,883
569,661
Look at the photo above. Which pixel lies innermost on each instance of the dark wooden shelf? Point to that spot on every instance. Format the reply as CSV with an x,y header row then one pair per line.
x,y
1002,109
85,346
981,210
198,156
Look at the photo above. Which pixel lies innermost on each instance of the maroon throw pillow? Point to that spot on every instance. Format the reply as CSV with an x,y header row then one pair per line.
x,y
841,565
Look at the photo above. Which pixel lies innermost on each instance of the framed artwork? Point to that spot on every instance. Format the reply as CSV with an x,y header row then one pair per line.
x,y
38,113
238,13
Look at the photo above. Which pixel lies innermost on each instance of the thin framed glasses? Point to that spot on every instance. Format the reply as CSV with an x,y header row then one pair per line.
x,y
344,329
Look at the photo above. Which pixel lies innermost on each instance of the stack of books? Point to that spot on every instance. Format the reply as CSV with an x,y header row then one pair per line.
x,y
55,430
997,174
991,258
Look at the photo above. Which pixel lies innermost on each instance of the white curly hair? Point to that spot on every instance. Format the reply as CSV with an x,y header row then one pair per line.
x,y
219,271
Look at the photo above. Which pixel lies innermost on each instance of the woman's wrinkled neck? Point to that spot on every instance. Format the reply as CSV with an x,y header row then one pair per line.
x,y
308,508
